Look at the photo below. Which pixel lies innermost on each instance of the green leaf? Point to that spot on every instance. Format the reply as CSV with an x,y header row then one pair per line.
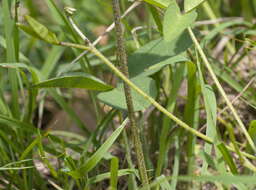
x,y
116,97
156,54
79,81
28,30
159,3
175,22
191,4
99,154
158,66
41,31
211,108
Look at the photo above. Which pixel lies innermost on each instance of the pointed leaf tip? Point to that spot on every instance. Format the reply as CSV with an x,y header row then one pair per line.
x,y
40,30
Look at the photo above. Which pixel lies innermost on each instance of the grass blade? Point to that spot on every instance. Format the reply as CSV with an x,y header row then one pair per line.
x,y
114,173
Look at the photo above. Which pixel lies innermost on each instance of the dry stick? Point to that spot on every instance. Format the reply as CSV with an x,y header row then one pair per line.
x,y
111,27
222,92
78,31
122,59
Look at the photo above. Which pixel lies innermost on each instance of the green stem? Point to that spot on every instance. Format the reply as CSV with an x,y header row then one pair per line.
x,y
222,92
122,59
137,89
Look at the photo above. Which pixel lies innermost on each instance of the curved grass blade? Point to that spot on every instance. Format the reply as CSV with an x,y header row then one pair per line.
x,y
16,124
99,154
114,173
32,93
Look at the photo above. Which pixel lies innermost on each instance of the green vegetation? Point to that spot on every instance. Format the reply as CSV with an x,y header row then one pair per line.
x,y
153,94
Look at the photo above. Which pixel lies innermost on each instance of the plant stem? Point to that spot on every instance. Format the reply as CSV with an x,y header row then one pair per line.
x,y
122,59
222,92
137,89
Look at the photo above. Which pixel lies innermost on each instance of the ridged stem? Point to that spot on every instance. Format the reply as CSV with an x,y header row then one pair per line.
x,y
122,61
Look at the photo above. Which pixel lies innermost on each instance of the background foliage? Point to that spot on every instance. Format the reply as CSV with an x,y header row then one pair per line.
x,y
63,117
